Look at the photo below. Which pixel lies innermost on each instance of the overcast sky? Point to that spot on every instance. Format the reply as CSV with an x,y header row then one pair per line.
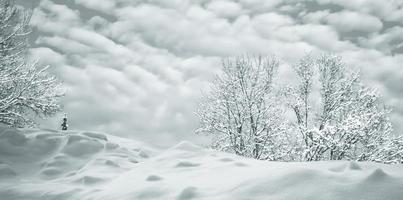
x,y
136,68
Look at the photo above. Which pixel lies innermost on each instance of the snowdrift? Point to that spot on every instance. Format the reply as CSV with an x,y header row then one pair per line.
x,y
44,164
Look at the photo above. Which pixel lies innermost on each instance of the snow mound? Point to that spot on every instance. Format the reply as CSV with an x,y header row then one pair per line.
x,y
354,166
377,175
62,164
186,146
42,164
187,172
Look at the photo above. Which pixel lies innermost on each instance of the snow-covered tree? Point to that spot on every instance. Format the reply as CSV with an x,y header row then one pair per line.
x,y
26,90
242,113
299,101
390,153
351,121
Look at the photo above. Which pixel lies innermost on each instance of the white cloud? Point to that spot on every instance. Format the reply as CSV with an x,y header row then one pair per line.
x,y
64,45
316,17
98,23
224,8
324,37
106,6
387,42
54,18
272,20
198,13
389,10
347,21
47,55
258,6
142,74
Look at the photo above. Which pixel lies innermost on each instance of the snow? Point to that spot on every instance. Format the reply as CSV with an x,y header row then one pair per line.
x,y
44,164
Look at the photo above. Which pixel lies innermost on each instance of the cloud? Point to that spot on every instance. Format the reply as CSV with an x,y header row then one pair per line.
x,y
107,6
47,55
141,74
347,21
316,17
54,18
170,30
389,41
64,45
273,20
387,10
257,6
224,8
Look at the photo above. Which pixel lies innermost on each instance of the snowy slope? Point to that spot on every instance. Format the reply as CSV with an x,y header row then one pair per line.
x,y
39,164
45,164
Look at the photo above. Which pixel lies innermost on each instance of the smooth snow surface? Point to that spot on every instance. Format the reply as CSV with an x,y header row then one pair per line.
x,y
44,165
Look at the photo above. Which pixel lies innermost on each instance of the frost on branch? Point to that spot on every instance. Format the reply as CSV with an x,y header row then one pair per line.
x,y
242,111
351,121
391,152
336,116
26,90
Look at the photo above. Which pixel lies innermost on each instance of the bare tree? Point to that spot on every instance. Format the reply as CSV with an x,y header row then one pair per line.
x,y
26,90
301,105
241,111
351,122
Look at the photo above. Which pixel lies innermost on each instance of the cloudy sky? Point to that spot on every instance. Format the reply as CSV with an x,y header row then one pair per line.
x,y
136,68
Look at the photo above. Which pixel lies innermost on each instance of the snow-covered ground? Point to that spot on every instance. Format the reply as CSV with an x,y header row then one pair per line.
x,y
73,165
